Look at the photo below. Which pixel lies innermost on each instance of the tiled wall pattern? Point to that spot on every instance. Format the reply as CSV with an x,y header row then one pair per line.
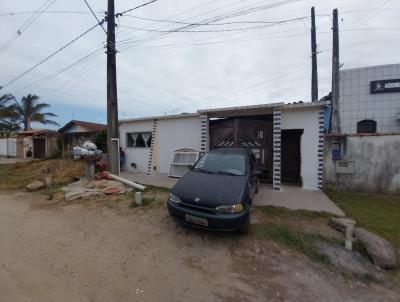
x,y
356,103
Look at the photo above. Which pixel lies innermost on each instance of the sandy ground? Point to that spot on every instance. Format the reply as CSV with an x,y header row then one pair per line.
x,y
107,252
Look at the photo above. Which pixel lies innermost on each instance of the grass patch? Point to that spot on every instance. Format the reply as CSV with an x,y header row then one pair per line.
x,y
294,214
18,175
152,196
377,212
146,201
296,240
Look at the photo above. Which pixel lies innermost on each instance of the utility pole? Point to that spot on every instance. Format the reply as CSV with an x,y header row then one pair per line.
x,y
314,73
112,101
335,116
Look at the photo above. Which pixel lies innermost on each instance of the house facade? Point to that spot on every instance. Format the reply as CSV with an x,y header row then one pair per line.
x,y
366,155
75,133
287,139
369,99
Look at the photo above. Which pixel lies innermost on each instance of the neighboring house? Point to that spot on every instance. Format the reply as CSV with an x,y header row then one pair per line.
x,y
75,126
76,132
37,143
366,156
369,99
287,139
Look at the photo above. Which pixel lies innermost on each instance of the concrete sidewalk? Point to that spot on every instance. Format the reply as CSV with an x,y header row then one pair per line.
x,y
290,197
296,198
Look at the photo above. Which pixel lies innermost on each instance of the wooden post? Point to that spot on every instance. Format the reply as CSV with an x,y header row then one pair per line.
x,y
112,100
335,117
314,73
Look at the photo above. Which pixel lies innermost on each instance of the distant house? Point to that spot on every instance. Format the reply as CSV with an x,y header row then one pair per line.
x,y
76,132
37,143
75,126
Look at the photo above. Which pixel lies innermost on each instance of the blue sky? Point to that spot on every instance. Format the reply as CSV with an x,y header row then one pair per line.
x,y
166,73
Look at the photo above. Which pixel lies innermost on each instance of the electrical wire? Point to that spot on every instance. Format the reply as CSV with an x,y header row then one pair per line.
x,y
238,12
47,12
218,30
56,74
26,25
136,7
98,21
50,56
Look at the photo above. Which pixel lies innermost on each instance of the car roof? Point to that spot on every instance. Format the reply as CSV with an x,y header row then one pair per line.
x,y
232,150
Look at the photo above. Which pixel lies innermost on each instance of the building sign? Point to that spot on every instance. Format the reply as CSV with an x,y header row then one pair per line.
x,y
385,86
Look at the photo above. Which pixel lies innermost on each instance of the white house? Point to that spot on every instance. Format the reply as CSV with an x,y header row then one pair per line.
x,y
287,140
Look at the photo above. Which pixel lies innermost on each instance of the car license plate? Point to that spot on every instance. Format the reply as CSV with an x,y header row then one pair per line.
x,y
196,220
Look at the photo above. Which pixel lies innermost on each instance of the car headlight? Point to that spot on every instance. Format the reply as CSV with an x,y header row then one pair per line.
x,y
230,209
173,198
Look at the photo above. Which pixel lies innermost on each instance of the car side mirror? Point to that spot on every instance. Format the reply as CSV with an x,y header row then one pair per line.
x,y
190,167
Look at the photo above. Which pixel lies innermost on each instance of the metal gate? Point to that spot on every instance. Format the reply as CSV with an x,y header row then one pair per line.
x,y
254,133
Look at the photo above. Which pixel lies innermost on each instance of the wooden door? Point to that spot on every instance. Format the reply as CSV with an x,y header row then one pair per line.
x,y
39,147
291,155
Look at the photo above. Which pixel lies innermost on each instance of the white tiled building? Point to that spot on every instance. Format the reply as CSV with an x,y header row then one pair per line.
x,y
360,99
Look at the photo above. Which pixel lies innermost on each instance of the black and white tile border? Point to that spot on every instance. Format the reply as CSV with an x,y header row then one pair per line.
x,y
204,133
321,120
276,175
153,142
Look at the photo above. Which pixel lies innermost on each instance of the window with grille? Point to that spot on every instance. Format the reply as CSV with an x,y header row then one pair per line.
x,y
181,161
366,126
138,140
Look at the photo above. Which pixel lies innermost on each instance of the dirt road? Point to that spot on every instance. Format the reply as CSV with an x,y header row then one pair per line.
x,y
106,252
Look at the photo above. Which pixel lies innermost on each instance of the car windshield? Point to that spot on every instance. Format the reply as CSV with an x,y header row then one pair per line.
x,y
230,164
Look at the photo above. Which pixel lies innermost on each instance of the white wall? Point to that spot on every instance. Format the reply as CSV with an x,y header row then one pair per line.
x,y
307,119
376,161
356,102
8,147
140,156
174,134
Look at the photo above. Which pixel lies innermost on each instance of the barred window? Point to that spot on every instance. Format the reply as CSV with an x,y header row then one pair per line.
x,y
366,126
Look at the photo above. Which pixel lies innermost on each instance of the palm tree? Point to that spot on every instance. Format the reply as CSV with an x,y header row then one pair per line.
x,y
5,106
30,110
7,113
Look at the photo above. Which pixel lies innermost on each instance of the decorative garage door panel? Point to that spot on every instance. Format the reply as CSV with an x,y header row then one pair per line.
x,y
255,134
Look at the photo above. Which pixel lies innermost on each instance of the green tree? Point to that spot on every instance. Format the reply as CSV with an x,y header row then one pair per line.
x,y
29,110
7,113
100,140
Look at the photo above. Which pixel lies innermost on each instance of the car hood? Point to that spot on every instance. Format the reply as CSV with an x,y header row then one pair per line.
x,y
211,189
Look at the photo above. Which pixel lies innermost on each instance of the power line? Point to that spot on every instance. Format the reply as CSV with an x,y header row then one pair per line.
x,y
47,12
208,31
268,24
238,12
63,70
136,7
201,24
50,56
98,21
26,25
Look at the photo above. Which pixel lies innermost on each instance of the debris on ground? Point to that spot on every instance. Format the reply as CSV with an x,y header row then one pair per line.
x,y
341,223
107,175
347,261
380,250
85,188
35,185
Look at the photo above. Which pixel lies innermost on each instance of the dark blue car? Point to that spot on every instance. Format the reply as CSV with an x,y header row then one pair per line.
x,y
217,192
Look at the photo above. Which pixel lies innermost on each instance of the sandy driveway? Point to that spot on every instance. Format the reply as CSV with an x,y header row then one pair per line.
x,y
100,252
